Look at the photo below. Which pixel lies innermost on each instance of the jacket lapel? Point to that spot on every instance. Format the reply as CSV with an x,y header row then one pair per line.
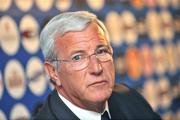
x,y
59,109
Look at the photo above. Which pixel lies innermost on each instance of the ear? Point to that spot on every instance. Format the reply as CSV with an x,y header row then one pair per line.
x,y
52,72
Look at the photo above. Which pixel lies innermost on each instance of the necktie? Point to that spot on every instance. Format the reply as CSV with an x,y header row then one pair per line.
x,y
105,116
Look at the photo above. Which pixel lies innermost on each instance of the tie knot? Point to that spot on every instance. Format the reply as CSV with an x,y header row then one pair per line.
x,y
105,116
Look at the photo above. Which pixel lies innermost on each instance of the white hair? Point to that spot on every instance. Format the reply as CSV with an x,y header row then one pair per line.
x,y
63,23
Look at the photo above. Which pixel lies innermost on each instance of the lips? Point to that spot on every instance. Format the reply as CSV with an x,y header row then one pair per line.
x,y
98,83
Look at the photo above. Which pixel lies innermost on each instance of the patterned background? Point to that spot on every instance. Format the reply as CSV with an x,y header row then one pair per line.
x,y
145,35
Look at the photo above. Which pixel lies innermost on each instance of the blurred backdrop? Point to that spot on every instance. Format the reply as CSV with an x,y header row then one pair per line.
x,y
145,35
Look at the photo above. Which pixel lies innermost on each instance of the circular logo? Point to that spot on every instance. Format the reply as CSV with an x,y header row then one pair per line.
x,y
63,5
146,60
129,26
163,3
159,59
36,76
133,63
114,25
5,4
9,36
171,56
19,112
138,4
93,4
120,65
2,115
151,3
24,5
44,5
1,85
150,93
15,79
175,3
30,33
153,26
167,25
165,96
178,53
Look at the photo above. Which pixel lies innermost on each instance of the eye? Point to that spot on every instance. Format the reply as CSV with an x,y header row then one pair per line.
x,y
102,51
76,58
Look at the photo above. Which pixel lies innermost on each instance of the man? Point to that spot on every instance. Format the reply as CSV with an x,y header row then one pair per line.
x,y
78,59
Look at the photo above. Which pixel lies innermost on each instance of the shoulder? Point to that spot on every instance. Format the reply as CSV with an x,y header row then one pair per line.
x,y
131,103
45,112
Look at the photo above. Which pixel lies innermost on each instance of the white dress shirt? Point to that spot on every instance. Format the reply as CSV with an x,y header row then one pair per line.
x,y
84,114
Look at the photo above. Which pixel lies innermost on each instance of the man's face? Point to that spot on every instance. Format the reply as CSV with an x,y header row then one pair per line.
x,y
92,84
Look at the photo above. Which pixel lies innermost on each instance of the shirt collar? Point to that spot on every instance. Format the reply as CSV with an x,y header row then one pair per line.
x,y
84,114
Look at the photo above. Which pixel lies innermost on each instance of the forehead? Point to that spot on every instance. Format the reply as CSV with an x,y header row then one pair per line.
x,y
90,37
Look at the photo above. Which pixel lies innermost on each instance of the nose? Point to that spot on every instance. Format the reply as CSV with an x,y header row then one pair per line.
x,y
95,66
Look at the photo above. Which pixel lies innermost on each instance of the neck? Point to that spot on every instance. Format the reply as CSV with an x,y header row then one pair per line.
x,y
88,105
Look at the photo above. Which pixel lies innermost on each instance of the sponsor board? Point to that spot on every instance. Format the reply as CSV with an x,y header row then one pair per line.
x,y
44,5
9,35
1,85
96,5
5,5
15,79
63,5
153,25
19,112
36,76
24,5
133,63
29,29
2,115
113,23
146,60
150,93
129,27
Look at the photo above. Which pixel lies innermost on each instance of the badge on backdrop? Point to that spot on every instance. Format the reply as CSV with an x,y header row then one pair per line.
x,y
159,59
63,5
165,96
2,115
120,65
5,5
14,77
153,25
129,27
163,4
24,5
9,35
96,5
29,29
175,3
141,27
177,24
36,76
133,63
151,4
44,5
19,112
172,57
138,4
178,53
150,91
167,25
146,60
1,86
113,23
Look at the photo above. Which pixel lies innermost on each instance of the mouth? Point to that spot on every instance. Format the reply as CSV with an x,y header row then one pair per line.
x,y
99,83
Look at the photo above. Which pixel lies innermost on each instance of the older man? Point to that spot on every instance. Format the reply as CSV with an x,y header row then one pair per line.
x,y
78,59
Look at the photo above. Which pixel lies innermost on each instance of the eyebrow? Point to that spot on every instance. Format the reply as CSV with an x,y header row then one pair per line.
x,y
84,51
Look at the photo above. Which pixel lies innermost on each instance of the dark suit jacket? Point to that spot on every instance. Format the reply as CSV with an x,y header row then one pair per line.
x,y
124,103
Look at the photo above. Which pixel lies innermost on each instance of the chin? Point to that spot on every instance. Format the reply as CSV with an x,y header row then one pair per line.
x,y
101,96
